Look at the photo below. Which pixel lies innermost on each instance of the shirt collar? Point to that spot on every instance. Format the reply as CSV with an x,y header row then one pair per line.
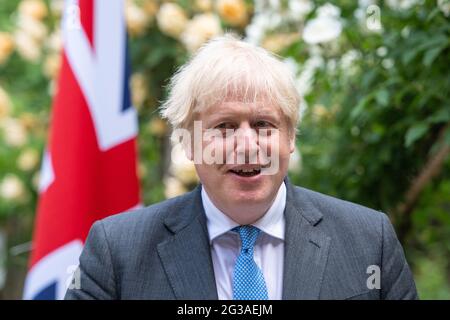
x,y
271,223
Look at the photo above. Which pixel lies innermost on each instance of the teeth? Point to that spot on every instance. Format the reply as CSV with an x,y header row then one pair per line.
x,y
248,170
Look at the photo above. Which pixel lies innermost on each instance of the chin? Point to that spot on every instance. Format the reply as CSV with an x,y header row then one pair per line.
x,y
249,197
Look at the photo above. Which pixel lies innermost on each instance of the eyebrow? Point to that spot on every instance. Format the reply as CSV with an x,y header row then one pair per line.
x,y
229,116
263,111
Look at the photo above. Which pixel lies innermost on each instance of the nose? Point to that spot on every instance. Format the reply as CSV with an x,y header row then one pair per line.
x,y
246,144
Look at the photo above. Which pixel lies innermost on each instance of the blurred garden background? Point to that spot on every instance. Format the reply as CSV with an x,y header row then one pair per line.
x,y
375,77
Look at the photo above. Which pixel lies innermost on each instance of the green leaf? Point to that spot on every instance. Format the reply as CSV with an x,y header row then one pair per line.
x,y
439,40
359,107
447,137
443,115
431,55
409,55
414,133
382,97
433,14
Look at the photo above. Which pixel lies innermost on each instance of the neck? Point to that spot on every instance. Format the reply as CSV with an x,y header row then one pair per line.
x,y
253,212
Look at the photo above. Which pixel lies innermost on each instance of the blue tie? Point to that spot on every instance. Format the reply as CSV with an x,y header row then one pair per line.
x,y
249,281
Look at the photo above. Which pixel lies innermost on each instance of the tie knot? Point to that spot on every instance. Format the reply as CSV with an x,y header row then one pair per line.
x,y
248,235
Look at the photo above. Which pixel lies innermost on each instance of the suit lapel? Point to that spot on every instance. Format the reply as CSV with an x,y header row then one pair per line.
x,y
306,247
186,257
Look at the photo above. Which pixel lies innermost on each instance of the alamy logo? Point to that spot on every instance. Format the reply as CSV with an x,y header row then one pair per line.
x,y
231,146
73,281
373,18
374,280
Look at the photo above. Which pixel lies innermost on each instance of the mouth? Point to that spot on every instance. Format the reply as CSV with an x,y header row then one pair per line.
x,y
246,172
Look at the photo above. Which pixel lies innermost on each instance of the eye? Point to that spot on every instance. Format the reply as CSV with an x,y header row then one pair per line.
x,y
262,124
224,125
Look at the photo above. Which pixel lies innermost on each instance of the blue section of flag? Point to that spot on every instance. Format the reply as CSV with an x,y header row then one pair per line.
x,y
126,103
48,293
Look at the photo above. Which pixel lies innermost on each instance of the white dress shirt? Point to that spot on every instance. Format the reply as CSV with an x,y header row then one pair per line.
x,y
268,251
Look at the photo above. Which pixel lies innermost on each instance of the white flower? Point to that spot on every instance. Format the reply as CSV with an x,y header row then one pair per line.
x,y
171,19
298,9
254,34
260,24
256,30
322,29
349,57
401,4
52,65
444,6
292,65
54,41
305,79
14,133
328,10
382,51
5,104
274,4
139,92
233,12
157,127
181,167
347,63
27,46
200,29
331,66
57,7
137,19
150,7
6,46
360,15
203,5
12,188
28,159
32,27
387,63
173,187
33,8
365,3
276,42
406,31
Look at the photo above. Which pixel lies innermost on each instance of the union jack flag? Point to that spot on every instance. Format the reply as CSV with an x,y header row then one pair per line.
x,y
89,167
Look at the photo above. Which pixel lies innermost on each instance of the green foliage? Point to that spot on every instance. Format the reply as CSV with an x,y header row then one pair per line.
x,y
380,122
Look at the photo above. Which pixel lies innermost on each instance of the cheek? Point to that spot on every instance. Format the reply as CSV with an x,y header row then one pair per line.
x,y
209,177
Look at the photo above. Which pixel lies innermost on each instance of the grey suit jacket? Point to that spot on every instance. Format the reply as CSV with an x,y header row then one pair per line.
x,y
163,252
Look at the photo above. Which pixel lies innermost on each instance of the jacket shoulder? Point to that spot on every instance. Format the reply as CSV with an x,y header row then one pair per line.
x,y
332,207
146,220
345,219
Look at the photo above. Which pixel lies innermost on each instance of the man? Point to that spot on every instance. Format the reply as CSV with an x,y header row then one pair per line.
x,y
245,232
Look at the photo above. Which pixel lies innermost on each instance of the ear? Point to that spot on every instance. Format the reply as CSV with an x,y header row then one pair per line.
x,y
292,143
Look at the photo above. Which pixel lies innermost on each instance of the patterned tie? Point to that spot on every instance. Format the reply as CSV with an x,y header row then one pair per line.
x,y
249,281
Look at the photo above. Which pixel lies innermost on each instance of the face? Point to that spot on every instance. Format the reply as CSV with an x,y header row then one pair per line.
x,y
253,142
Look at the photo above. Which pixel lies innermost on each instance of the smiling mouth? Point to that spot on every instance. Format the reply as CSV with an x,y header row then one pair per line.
x,y
246,172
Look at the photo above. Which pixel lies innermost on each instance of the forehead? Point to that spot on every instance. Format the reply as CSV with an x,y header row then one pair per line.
x,y
239,108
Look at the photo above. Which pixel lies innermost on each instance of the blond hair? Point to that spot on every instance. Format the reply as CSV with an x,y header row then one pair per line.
x,y
229,69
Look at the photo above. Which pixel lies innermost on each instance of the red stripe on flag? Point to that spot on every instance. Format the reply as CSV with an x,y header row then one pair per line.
x,y
87,19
